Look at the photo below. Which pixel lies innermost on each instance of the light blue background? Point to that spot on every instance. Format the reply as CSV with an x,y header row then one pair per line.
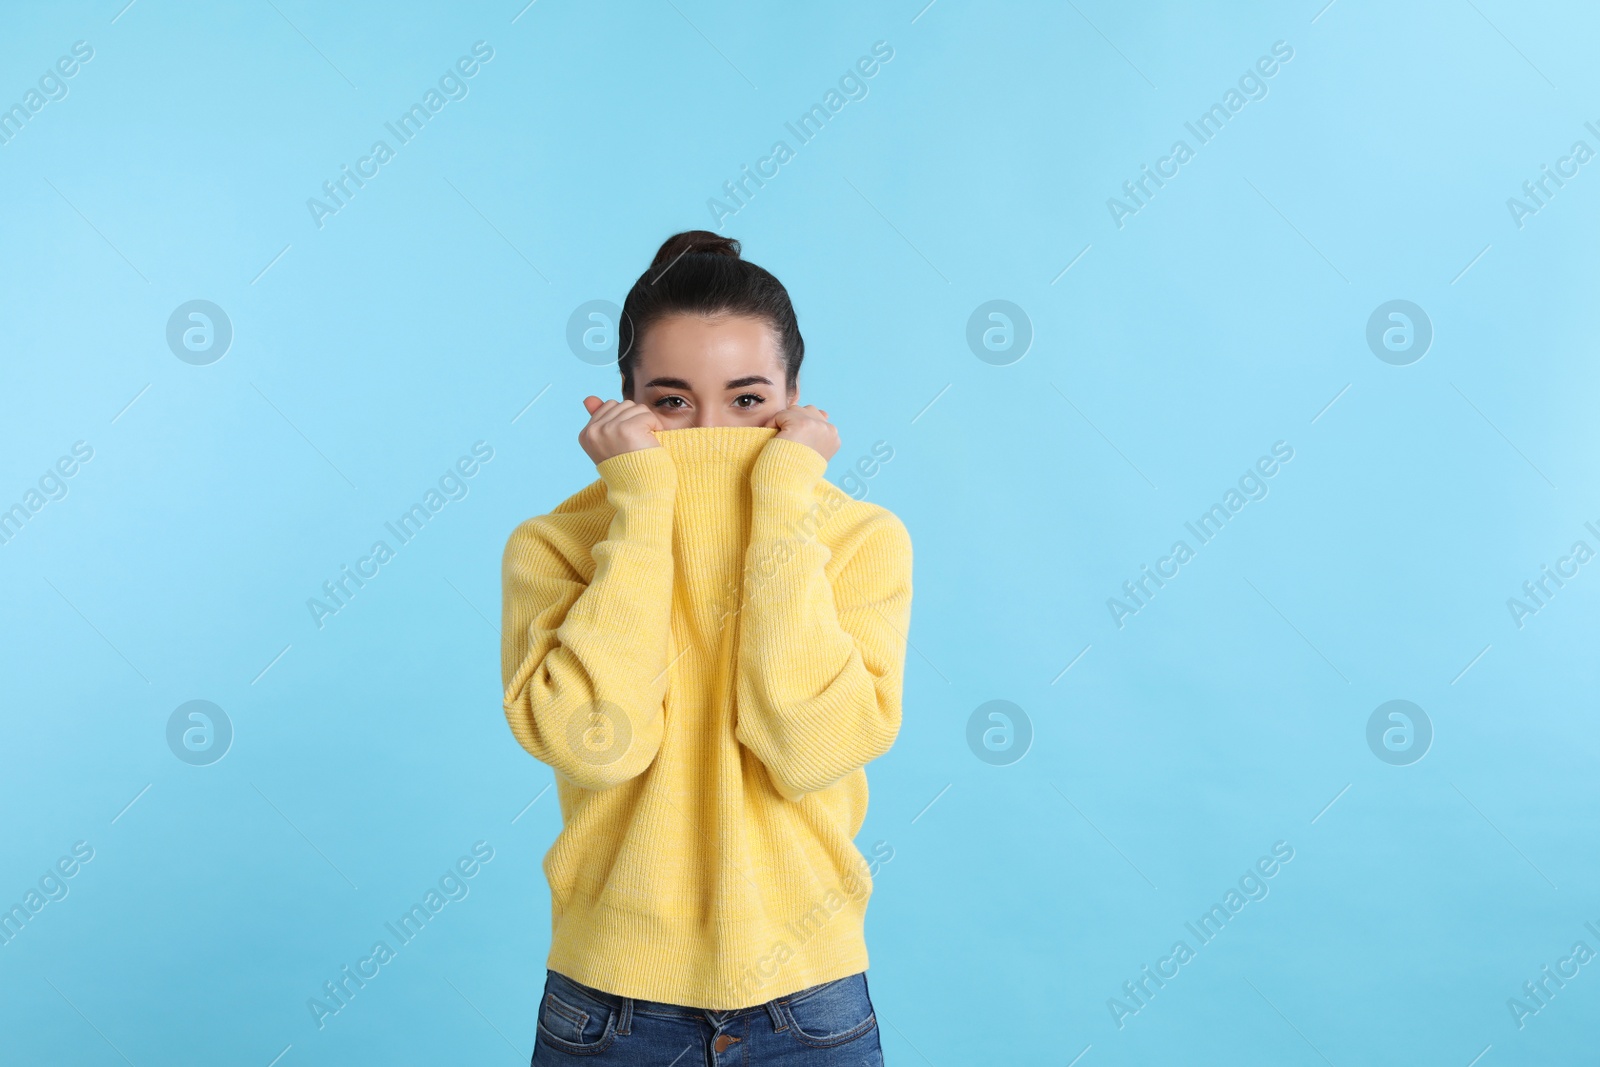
x,y
1228,314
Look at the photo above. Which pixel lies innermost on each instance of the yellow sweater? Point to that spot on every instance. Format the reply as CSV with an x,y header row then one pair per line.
x,y
706,645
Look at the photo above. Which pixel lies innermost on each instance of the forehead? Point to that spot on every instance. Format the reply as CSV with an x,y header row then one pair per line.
x,y
711,344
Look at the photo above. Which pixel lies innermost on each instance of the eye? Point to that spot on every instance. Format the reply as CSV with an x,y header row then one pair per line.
x,y
757,397
662,402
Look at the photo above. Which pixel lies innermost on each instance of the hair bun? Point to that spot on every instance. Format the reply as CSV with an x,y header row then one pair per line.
x,y
700,241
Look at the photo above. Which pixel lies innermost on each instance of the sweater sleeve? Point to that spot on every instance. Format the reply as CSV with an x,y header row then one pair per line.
x,y
820,663
585,663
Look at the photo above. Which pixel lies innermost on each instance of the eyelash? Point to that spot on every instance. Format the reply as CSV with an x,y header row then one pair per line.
x,y
759,400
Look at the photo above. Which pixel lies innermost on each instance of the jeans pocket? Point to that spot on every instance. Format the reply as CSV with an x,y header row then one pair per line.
x,y
573,1019
832,1013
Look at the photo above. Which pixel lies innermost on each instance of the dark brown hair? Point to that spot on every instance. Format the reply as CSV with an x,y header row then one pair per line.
x,y
700,272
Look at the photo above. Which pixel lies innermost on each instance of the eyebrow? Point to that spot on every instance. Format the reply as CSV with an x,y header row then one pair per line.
x,y
733,383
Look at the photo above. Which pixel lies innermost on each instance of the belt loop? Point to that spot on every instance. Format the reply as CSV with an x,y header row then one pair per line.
x,y
625,1022
779,1024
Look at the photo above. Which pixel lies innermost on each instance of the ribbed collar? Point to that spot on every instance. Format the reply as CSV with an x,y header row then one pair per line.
x,y
714,454
712,512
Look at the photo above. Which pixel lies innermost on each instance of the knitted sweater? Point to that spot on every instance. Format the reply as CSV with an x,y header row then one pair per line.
x,y
706,645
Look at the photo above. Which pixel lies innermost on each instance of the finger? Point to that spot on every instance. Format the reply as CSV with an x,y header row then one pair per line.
x,y
604,414
594,408
637,413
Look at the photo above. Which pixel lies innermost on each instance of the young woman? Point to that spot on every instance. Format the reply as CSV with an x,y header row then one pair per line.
x,y
707,645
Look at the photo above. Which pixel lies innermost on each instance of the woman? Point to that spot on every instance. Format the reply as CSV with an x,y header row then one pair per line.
x,y
707,645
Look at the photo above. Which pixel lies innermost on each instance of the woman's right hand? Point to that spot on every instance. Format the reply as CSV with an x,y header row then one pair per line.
x,y
617,427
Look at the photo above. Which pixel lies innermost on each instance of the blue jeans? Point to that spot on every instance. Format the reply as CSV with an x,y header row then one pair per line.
x,y
830,1024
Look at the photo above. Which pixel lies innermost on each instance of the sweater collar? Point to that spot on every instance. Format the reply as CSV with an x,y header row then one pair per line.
x,y
713,499
715,452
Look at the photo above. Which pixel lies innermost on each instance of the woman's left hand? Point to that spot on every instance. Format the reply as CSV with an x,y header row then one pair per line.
x,y
809,425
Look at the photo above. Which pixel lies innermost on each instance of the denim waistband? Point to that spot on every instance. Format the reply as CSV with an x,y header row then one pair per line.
x,y
627,1007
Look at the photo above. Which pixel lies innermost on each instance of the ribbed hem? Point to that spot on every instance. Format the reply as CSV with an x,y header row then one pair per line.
x,y
649,958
